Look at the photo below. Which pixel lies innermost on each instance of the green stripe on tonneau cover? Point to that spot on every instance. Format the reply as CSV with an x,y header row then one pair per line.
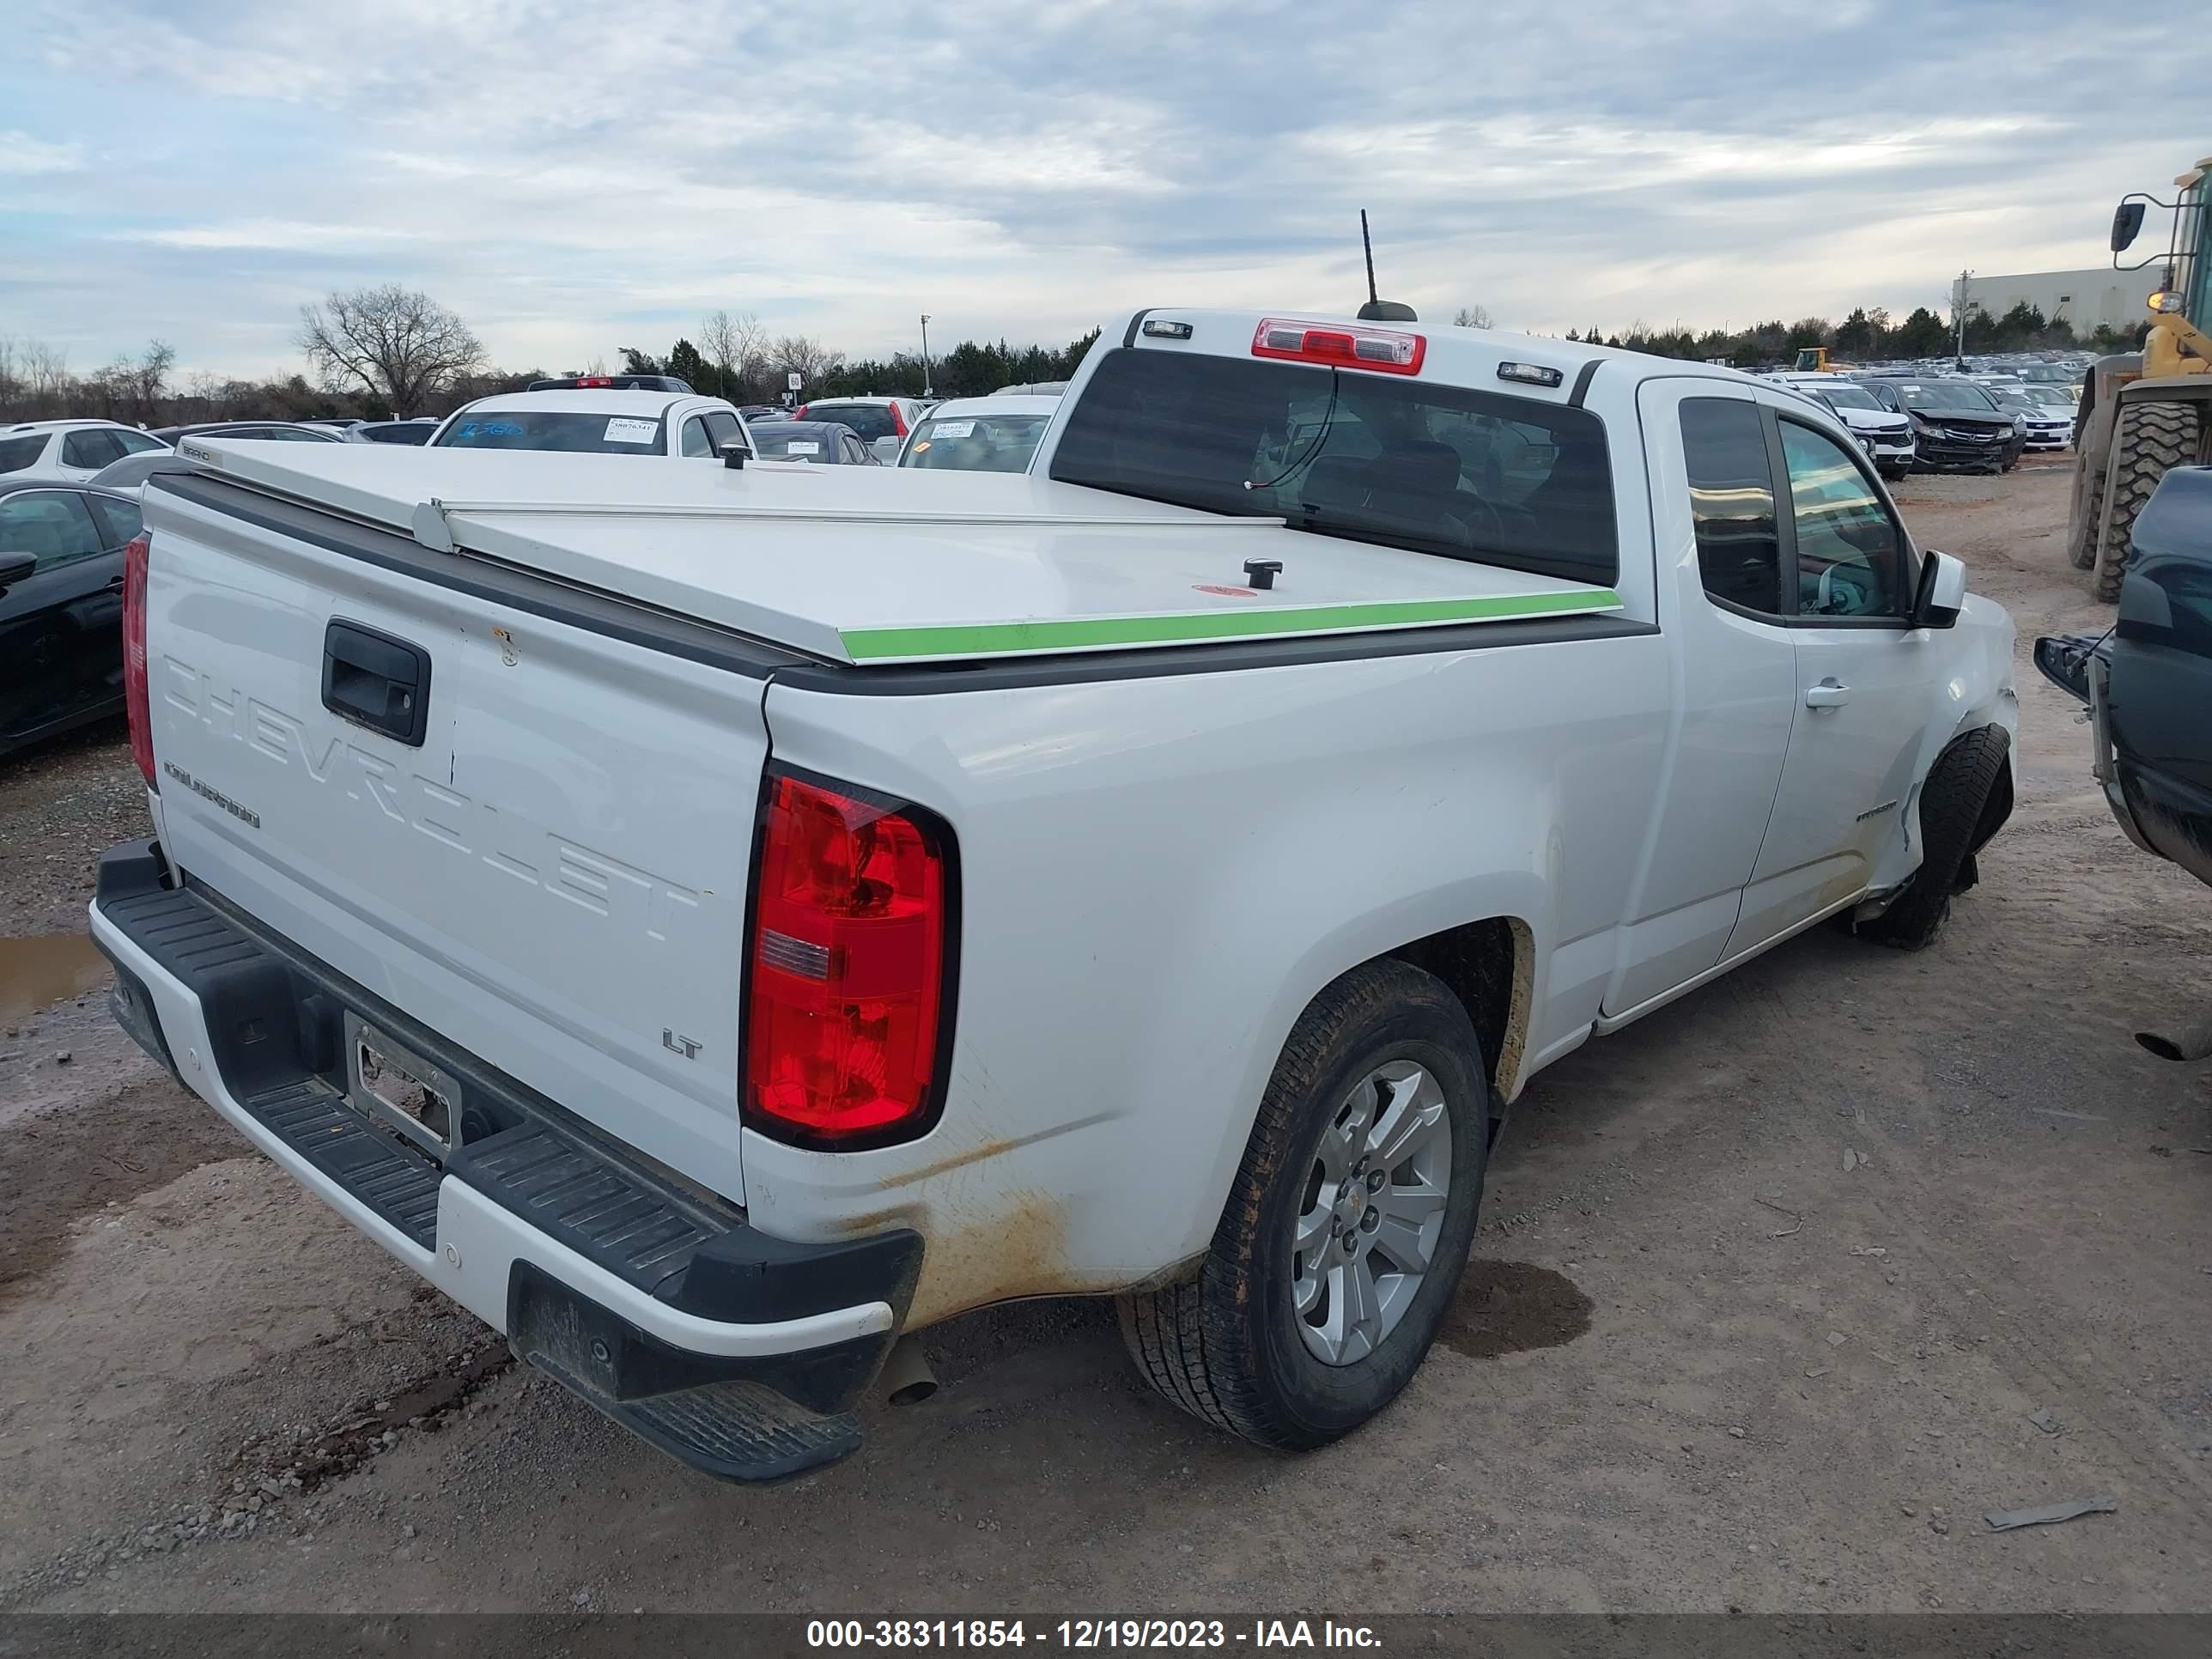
x,y
1200,627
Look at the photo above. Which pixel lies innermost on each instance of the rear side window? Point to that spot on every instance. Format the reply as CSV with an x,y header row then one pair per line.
x,y
94,449
121,518
16,454
1479,475
570,431
135,442
871,420
1732,503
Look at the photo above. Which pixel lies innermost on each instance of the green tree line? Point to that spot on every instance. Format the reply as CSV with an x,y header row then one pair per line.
x,y
1870,334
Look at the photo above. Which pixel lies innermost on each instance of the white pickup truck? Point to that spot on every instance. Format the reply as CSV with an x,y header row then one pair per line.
x,y
712,920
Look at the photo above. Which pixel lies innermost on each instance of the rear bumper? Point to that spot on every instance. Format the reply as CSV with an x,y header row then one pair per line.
x,y
740,1353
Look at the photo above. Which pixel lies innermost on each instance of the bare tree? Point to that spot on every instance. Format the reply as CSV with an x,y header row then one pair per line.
x,y
396,344
805,354
736,345
150,375
46,377
1472,317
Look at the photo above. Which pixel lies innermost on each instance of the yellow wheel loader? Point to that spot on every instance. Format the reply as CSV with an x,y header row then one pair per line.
x,y
2143,412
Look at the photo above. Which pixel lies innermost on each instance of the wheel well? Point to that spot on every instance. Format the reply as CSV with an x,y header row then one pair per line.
x,y
1487,966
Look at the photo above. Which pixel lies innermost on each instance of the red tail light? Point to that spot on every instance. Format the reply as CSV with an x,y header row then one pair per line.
x,y
898,421
1388,351
799,413
135,699
849,967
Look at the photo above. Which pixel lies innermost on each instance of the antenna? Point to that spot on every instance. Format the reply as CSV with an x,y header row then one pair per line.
x,y
1377,310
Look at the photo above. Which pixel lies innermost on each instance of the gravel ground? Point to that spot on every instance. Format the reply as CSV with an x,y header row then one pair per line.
x,y
1776,1294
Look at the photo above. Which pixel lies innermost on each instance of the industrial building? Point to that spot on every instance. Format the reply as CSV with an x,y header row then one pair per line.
x,y
2083,298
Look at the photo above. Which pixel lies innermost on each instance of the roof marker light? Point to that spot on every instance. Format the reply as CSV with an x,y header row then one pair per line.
x,y
1529,373
1159,328
1341,345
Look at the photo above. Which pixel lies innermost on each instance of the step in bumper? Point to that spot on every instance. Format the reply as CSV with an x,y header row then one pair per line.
x,y
741,1354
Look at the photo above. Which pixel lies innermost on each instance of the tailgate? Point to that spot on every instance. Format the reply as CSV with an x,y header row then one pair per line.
x,y
539,848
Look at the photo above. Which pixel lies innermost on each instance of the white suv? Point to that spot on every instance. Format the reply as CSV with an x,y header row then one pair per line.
x,y
73,450
600,419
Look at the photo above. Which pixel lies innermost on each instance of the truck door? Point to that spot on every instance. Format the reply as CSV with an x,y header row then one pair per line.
x,y
1862,684
1720,599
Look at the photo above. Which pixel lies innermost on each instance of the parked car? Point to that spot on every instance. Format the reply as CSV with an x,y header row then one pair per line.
x,y
61,607
301,432
998,433
819,443
128,476
594,419
882,423
1885,434
776,919
72,450
416,431
2067,397
2048,428
2147,683
1033,389
1955,424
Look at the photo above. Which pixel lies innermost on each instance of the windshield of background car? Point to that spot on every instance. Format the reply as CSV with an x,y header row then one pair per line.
x,y
977,443
2051,397
1946,394
1847,397
16,454
570,431
871,420
1374,458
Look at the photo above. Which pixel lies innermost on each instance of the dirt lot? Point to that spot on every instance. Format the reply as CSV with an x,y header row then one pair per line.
x,y
1772,1291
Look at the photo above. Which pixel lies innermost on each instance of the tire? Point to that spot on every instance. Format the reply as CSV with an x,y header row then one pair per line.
x,y
1952,803
2082,550
2149,439
1230,1345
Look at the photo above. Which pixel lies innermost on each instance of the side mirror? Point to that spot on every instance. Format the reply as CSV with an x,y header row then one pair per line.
x,y
1942,593
2127,222
14,567
735,454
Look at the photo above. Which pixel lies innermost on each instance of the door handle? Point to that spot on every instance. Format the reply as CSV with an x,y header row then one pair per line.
x,y
1828,693
116,581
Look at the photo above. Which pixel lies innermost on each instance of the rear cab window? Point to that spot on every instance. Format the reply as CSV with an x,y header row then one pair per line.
x,y
1478,476
572,432
870,421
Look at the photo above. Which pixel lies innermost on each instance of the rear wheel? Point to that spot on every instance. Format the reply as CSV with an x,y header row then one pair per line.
x,y
2148,440
2081,549
1347,1226
1954,823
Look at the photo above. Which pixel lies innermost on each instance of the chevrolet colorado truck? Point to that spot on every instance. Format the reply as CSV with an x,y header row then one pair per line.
x,y
710,921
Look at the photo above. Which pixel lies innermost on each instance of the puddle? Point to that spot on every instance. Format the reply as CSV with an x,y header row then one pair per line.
x,y
1509,1307
36,973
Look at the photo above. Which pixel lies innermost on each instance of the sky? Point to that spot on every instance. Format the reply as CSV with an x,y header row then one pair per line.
x,y
574,176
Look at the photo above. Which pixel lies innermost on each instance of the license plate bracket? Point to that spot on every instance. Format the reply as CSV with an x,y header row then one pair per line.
x,y
398,1090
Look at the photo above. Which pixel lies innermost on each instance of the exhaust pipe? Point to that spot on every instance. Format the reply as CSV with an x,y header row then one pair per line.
x,y
2194,1043
907,1378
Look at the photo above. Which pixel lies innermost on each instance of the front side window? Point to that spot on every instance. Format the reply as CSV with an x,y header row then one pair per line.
x,y
1732,503
1850,558
54,527
1479,475
722,429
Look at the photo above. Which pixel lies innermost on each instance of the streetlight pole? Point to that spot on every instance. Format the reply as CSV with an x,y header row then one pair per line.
x,y
926,388
1961,319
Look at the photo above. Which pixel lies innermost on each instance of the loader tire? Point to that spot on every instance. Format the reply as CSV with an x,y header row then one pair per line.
x,y
1955,812
2149,439
2083,549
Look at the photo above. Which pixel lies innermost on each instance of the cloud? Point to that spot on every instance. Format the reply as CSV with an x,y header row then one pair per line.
x,y
22,155
599,175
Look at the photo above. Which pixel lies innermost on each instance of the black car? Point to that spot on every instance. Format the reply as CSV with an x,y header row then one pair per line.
x,y
1955,424
61,607
825,443
2148,682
